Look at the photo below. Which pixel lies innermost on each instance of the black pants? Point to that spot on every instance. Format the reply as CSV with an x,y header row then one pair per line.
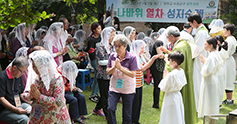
x,y
136,105
157,76
103,101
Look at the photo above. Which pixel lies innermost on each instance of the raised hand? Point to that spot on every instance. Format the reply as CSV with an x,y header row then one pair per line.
x,y
163,49
202,59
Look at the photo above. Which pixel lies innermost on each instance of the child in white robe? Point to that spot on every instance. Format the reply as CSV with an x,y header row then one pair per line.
x,y
222,50
172,111
230,62
209,92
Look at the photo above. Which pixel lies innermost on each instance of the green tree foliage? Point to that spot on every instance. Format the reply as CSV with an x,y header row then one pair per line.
x,y
76,11
230,13
82,11
13,12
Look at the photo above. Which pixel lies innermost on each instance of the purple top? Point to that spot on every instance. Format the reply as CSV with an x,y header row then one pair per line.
x,y
15,45
129,61
129,84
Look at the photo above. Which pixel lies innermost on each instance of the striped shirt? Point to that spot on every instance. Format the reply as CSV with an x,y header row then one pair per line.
x,y
139,75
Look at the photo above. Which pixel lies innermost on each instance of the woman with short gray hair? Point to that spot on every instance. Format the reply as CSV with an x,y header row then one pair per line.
x,y
122,65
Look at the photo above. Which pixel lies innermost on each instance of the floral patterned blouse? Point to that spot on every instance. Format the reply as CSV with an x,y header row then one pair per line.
x,y
51,102
101,54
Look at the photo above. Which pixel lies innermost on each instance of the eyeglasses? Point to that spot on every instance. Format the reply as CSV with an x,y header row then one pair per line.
x,y
19,70
118,46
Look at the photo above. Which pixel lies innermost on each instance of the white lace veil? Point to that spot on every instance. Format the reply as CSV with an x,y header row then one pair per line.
x,y
69,70
39,33
217,26
164,38
45,65
161,31
105,35
38,36
127,31
136,48
31,31
141,36
212,23
79,38
52,38
154,36
148,41
22,52
20,33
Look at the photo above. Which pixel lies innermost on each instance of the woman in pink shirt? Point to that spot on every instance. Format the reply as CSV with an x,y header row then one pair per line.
x,y
122,65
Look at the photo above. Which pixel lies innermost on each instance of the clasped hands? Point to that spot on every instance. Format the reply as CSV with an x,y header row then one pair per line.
x,y
117,64
34,92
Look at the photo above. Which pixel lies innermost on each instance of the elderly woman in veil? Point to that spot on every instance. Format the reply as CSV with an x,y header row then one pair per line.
x,y
46,91
53,43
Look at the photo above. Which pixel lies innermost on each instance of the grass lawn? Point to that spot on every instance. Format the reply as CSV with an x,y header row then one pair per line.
x,y
148,115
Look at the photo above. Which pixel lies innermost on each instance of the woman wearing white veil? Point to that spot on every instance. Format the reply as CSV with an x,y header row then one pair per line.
x,y
141,36
103,51
53,43
40,34
146,55
47,91
164,38
79,39
130,33
77,102
137,48
217,28
32,34
212,23
20,39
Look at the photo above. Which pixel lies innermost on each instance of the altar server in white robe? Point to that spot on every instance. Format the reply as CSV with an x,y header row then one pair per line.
x,y
172,111
230,62
195,21
222,50
209,92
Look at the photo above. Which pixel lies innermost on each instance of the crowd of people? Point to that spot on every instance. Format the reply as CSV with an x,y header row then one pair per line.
x,y
191,70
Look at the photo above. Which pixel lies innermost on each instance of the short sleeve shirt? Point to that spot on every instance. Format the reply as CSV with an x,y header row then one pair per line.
x,y
129,84
129,61
6,87
155,45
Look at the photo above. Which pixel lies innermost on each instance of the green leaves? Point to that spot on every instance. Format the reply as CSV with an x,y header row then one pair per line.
x,y
13,12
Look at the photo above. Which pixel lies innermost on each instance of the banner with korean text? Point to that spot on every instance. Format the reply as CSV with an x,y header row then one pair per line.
x,y
175,11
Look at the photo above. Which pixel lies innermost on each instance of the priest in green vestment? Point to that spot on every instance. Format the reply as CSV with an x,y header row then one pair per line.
x,y
179,44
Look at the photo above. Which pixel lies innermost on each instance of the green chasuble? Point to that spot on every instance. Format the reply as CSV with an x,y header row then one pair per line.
x,y
187,91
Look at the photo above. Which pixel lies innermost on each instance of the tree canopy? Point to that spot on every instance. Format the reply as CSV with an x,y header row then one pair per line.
x,y
13,12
